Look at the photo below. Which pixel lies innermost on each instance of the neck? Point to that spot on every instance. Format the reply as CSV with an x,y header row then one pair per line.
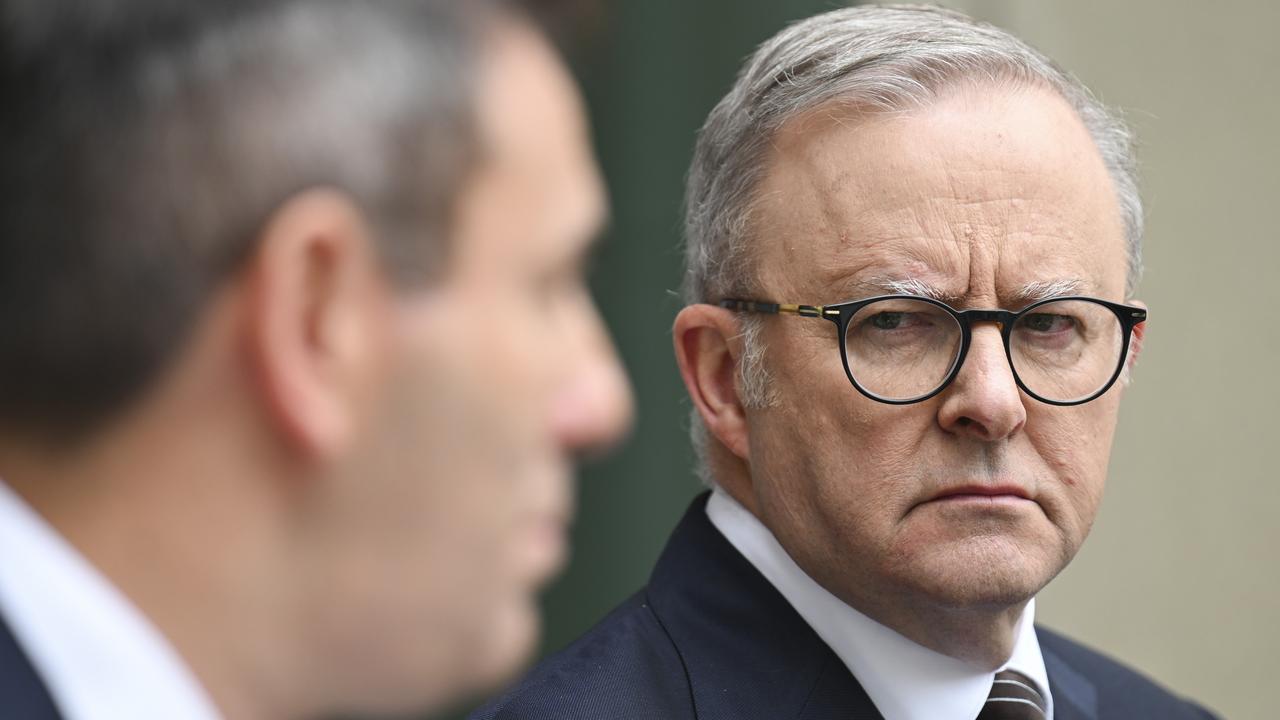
x,y
983,637
189,540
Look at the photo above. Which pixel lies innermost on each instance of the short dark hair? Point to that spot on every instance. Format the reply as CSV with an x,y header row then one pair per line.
x,y
143,144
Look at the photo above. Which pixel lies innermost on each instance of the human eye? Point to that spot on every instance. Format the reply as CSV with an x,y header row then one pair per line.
x,y
889,320
897,323
1054,328
900,320
1049,323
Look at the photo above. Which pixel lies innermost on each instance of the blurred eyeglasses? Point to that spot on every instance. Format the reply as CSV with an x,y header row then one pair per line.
x,y
901,349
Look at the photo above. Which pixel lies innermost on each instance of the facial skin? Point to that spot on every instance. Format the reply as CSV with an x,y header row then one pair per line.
x,y
452,512
979,195
342,495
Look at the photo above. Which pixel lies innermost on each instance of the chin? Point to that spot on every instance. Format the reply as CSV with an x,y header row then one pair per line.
x,y
428,672
507,646
980,572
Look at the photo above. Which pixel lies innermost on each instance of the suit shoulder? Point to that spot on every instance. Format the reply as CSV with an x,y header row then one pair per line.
x,y
624,668
1122,692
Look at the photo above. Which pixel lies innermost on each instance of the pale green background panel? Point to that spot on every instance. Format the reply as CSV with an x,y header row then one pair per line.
x,y
1179,577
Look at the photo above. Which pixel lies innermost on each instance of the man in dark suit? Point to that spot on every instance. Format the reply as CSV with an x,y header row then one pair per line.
x,y
912,248
295,353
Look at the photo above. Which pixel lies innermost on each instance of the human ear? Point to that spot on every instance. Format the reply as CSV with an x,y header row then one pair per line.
x,y
708,354
1135,342
313,320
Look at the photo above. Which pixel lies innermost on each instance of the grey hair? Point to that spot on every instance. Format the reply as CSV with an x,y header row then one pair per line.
x,y
880,59
753,383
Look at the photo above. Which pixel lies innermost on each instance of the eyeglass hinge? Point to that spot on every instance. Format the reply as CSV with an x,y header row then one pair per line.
x,y
804,310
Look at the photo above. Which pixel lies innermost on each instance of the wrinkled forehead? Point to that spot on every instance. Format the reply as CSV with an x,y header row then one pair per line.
x,y
978,195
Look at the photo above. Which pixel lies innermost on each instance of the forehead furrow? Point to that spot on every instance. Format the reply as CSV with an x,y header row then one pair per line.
x,y
976,196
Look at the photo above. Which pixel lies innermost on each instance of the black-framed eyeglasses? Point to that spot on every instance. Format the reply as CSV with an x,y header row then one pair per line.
x,y
901,349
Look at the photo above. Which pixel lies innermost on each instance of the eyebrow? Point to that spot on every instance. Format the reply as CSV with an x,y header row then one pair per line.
x,y
1034,292
907,286
1028,294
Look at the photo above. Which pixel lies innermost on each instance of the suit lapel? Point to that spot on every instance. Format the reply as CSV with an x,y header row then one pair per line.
x,y
747,653
837,695
1074,696
22,692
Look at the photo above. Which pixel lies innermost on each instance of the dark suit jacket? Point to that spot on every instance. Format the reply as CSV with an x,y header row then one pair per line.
x,y
711,639
23,695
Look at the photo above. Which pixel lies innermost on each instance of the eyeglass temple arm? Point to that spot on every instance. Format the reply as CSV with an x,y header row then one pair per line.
x,y
753,306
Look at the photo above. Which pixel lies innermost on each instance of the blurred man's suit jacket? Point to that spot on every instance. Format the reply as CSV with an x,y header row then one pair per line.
x,y
711,639
22,693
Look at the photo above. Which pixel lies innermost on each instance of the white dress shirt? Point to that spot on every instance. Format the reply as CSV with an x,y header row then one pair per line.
x,y
99,656
906,681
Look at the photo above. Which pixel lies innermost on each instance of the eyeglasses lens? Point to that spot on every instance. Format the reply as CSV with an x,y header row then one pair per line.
x,y
901,349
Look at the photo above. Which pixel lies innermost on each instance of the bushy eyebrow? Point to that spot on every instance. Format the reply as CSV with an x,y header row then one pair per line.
x,y
1029,293
907,286
1034,292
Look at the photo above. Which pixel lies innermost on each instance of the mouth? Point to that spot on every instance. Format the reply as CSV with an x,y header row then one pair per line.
x,y
983,495
542,529
545,546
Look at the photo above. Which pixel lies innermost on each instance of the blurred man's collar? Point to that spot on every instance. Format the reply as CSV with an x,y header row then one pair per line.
x,y
98,654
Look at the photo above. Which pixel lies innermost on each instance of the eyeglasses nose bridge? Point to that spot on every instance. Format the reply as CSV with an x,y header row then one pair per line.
x,y
968,319
999,317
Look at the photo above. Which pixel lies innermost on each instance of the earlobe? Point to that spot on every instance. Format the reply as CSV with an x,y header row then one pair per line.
x,y
708,360
310,319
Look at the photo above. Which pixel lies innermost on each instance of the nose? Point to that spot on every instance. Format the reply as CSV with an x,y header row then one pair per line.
x,y
983,402
593,407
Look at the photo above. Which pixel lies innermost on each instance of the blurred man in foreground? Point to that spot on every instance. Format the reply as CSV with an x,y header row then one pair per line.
x,y
913,244
295,357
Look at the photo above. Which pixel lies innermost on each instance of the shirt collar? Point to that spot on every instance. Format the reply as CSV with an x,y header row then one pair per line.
x,y
906,681
97,653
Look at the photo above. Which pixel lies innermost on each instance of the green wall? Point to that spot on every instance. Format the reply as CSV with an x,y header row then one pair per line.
x,y
650,80
650,76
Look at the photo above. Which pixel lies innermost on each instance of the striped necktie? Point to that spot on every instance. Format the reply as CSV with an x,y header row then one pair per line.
x,y
1013,697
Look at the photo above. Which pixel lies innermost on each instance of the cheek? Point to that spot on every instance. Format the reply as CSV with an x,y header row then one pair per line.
x,y
469,370
838,465
450,457
1075,446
